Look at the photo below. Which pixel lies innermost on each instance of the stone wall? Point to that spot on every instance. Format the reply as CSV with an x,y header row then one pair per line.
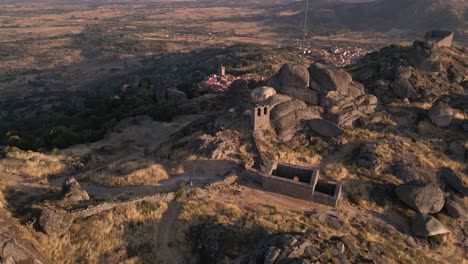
x,y
279,178
328,193
441,37
288,187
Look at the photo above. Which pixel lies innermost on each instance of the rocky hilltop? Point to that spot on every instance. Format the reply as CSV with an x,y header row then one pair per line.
x,y
391,129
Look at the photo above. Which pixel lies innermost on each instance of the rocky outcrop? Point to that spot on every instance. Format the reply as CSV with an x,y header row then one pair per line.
x,y
294,80
426,198
320,92
55,222
345,110
422,72
425,55
15,248
425,226
72,191
260,94
441,114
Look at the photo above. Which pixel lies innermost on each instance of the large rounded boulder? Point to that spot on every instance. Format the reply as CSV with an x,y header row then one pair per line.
x,y
294,75
260,94
426,198
326,78
441,114
55,222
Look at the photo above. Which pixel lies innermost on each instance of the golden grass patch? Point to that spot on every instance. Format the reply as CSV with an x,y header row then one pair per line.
x,y
127,234
37,165
133,172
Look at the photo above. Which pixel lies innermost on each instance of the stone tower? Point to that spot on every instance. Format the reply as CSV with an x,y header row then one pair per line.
x,y
222,70
261,118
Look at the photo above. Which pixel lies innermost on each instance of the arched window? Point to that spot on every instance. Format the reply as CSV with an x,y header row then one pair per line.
x,y
265,110
259,111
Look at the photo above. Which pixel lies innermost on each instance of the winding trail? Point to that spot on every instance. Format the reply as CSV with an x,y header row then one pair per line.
x,y
167,231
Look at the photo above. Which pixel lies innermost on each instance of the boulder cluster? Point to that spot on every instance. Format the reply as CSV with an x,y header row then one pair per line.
x,y
429,198
212,243
422,72
320,98
56,221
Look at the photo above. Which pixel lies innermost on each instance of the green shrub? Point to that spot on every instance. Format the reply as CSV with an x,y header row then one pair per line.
x,y
436,240
181,191
55,151
147,207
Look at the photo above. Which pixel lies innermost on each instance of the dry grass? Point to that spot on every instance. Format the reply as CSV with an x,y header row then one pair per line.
x,y
126,235
132,172
36,165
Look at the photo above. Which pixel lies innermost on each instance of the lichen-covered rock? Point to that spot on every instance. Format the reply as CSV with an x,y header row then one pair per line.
x,y
441,114
260,94
425,226
55,222
426,198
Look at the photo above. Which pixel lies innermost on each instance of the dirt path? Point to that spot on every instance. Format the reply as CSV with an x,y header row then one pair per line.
x,y
167,230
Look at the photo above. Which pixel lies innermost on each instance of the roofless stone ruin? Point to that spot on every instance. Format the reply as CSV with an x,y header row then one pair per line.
x,y
302,183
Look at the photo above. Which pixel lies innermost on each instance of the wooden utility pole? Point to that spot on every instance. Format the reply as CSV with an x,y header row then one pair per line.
x,y
305,28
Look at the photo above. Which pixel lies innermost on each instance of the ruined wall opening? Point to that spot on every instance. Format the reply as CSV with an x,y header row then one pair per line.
x,y
265,110
288,172
259,112
326,188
